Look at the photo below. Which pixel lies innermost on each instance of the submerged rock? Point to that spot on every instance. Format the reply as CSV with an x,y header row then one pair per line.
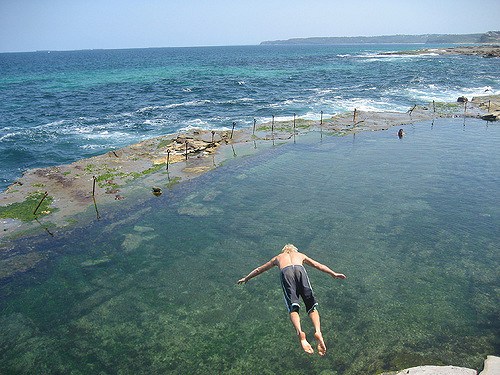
x,y
142,229
96,262
198,210
133,241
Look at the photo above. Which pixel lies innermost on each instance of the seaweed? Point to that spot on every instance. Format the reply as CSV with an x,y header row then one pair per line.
x,y
24,210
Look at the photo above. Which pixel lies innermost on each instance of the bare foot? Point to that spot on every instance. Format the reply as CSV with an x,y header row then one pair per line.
x,y
305,344
321,343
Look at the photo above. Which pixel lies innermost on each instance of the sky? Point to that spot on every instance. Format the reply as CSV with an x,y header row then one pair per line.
x,y
30,25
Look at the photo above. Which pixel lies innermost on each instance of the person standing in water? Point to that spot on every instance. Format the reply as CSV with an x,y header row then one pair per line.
x,y
295,284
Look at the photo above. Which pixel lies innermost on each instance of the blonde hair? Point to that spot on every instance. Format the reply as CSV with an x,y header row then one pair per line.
x,y
289,248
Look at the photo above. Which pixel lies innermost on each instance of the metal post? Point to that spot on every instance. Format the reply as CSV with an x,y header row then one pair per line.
x,y
40,203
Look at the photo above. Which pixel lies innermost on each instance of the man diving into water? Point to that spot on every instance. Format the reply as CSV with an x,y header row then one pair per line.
x,y
295,284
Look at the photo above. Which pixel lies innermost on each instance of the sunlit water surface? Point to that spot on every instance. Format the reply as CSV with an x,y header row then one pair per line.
x,y
413,222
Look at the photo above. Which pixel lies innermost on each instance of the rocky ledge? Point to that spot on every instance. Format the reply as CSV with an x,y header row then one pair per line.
x,y
53,197
478,50
491,367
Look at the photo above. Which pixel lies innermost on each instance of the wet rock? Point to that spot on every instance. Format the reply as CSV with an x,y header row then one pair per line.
x,y
462,99
156,191
490,117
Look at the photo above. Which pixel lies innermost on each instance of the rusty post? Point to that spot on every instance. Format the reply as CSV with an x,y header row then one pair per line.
x,y
93,197
294,123
96,210
254,123
321,119
272,127
40,203
168,158
186,150
232,130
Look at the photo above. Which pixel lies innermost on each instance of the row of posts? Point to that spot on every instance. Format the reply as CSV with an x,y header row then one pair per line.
x,y
354,119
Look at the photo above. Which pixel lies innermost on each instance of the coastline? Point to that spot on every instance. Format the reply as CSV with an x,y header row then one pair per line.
x,y
72,194
482,50
203,155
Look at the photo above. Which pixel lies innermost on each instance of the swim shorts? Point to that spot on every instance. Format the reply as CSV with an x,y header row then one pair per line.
x,y
295,284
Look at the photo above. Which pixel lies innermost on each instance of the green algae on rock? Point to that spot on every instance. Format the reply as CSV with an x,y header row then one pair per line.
x,y
25,211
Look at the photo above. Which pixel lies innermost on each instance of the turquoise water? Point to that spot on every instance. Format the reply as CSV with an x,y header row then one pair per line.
x,y
412,222
59,107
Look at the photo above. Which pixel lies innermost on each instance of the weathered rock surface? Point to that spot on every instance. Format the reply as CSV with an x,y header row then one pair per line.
x,y
438,370
491,366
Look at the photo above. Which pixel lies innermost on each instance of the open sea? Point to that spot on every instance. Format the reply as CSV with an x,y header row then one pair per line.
x,y
57,107
151,287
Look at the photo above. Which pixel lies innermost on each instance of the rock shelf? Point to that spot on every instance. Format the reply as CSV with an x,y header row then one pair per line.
x,y
137,170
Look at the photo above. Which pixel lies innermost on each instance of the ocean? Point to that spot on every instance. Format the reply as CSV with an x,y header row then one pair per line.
x,y
150,288
58,107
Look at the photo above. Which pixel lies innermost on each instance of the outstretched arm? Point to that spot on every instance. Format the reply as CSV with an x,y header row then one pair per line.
x,y
258,271
323,268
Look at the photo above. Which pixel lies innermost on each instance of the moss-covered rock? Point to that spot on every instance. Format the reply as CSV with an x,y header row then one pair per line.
x,y
25,210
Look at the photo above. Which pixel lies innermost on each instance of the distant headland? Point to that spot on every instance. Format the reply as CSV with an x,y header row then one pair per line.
x,y
488,38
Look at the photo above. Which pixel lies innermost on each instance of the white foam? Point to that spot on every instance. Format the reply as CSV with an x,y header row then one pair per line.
x,y
9,135
96,146
156,122
433,92
191,103
315,116
108,135
236,101
374,57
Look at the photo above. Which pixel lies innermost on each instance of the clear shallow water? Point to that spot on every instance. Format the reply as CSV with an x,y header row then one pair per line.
x,y
412,222
58,107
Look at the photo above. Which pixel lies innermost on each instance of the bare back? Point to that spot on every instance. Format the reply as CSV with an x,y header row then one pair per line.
x,y
287,259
